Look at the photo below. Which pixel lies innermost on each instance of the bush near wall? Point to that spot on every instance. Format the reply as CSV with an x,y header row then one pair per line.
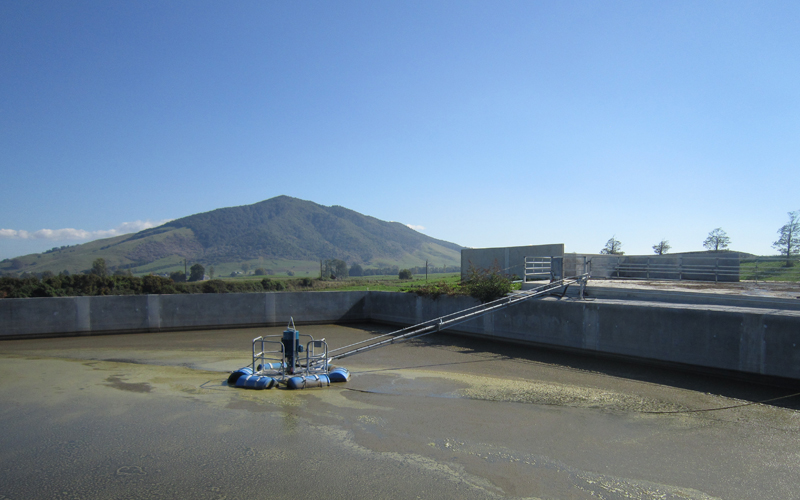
x,y
92,284
485,285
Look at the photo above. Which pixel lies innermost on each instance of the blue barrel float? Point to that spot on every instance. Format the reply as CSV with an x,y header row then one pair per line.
x,y
255,382
340,374
308,381
234,377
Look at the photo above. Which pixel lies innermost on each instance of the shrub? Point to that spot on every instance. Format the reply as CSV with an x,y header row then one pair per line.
x,y
270,285
177,277
487,285
157,285
434,290
214,286
405,274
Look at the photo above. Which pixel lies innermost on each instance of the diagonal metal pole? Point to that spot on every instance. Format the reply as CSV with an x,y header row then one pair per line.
x,y
456,318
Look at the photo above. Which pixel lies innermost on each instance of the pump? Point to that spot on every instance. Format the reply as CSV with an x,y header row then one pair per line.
x,y
291,347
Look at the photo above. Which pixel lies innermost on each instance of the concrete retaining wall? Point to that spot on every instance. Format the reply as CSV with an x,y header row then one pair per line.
x,y
749,340
143,313
739,339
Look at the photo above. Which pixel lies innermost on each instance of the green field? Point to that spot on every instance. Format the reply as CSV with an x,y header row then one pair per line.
x,y
768,269
384,283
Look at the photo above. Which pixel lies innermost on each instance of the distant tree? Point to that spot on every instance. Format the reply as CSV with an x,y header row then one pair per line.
x,y
405,274
334,268
289,273
260,272
211,272
47,274
99,267
613,247
717,240
661,247
64,273
177,276
789,242
197,272
356,270
245,266
121,272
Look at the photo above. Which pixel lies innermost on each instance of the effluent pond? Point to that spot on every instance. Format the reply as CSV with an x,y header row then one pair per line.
x,y
152,416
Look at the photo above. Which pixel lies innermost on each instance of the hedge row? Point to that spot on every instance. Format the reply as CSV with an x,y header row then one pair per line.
x,y
92,284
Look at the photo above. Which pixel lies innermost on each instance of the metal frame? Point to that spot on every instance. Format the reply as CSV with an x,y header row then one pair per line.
x,y
659,269
537,268
316,363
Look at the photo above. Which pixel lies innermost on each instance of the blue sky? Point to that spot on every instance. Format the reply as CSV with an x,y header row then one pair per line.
x,y
483,123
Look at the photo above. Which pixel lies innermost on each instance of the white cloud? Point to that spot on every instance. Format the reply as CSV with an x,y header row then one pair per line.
x,y
415,227
79,234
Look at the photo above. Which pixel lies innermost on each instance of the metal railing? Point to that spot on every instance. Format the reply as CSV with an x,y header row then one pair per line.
x,y
684,269
537,268
456,318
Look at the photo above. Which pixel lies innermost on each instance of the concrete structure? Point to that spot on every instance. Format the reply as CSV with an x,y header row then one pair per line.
x,y
691,266
510,260
752,336
152,313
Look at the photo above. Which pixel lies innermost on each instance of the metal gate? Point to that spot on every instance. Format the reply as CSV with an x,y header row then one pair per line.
x,y
537,268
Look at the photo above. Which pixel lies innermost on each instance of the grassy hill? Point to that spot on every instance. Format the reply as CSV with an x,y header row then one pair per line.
x,y
282,234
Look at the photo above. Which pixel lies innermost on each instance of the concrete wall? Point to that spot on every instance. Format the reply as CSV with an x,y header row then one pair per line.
x,y
749,340
142,313
511,260
739,339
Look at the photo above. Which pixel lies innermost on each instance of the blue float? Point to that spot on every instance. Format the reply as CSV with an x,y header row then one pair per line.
x,y
234,377
255,382
308,381
340,374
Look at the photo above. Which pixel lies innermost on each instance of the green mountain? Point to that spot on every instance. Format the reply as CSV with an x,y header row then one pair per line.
x,y
281,234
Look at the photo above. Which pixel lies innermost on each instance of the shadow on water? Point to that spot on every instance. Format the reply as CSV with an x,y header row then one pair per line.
x,y
751,388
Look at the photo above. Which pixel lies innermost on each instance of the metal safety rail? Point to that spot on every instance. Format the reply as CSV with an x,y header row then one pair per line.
x,y
274,362
274,359
316,357
456,318
537,268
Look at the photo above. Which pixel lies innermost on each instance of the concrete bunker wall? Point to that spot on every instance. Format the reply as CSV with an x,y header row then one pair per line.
x,y
143,313
740,339
511,260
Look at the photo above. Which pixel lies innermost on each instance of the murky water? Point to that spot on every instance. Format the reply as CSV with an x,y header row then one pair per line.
x,y
150,416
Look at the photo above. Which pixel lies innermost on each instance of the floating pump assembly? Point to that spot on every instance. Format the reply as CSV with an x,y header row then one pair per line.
x,y
286,359
299,361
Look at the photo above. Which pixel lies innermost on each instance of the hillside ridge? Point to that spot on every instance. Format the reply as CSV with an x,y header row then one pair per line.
x,y
273,232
